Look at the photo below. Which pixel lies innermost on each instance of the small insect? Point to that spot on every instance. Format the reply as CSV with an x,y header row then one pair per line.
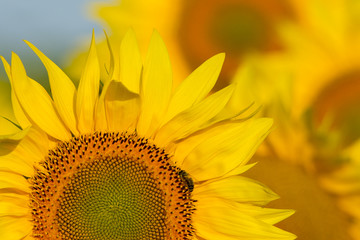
x,y
187,180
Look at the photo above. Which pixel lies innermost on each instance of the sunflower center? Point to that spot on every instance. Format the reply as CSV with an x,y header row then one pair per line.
x,y
111,186
112,198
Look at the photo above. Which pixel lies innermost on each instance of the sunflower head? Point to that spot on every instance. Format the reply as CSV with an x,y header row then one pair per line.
x,y
131,158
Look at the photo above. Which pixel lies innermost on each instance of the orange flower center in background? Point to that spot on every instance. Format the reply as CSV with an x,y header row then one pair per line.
x,y
336,118
340,101
111,186
231,26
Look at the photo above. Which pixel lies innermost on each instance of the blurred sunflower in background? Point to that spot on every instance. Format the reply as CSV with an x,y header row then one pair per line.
x,y
196,30
130,158
312,91
299,60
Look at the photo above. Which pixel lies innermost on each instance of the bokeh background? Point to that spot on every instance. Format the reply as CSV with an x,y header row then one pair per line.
x,y
297,60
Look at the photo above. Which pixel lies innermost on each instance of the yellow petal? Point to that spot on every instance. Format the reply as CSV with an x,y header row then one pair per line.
x,y
195,87
12,205
156,86
36,103
88,91
237,188
14,228
7,127
130,62
62,89
16,137
222,149
267,215
100,113
239,170
13,181
194,118
114,66
16,165
121,106
7,118
18,112
21,156
216,219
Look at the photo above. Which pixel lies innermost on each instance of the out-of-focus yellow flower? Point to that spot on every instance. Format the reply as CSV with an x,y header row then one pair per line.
x,y
313,92
198,29
132,159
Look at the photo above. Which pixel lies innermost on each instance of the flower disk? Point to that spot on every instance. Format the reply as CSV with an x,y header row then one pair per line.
x,y
110,186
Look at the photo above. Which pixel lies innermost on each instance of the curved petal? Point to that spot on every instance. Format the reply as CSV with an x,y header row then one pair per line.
x,y
22,156
155,89
237,188
18,112
218,151
14,228
100,114
196,86
267,215
216,219
88,91
7,127
62,89
13,181
113,72
7,117
194,118
121,106
36,103
15,205
130,62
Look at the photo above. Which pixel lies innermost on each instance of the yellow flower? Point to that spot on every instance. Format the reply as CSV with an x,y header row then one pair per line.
x,y
129,158
196,30
312,91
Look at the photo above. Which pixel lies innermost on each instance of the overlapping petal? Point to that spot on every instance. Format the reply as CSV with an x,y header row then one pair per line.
x,y
62,89
88,91
196,86
36,103
156,86
231,223
219,150
238,189
130,62
18,112
196,117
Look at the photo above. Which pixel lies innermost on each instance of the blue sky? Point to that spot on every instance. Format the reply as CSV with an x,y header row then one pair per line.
x,y
55,27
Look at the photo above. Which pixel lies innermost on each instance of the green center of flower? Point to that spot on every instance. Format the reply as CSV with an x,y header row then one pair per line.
x,y
236,27
239,29
111,186
112,198
334,119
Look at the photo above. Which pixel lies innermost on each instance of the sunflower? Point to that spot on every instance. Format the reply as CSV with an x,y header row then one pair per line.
x,y
128,157
198,29
312,91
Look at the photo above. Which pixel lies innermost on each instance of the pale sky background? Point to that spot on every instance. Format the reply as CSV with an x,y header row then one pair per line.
x,y
55,27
